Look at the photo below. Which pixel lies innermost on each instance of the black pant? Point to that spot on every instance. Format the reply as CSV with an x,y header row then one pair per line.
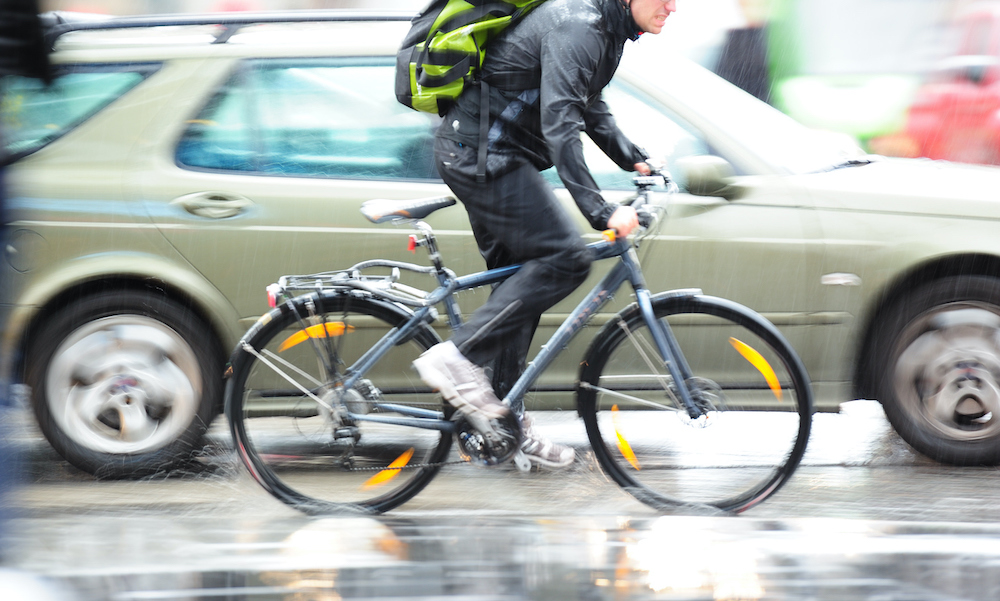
x,y
516,218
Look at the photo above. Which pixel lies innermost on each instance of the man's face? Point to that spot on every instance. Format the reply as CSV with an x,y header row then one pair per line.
x,y
650,15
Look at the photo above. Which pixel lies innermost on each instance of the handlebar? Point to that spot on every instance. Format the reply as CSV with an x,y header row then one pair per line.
x,y
645,210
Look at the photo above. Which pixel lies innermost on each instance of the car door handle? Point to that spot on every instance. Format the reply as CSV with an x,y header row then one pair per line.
x,y
214,205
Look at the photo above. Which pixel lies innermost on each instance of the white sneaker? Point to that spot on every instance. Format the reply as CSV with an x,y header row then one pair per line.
x,y
462,383
542,451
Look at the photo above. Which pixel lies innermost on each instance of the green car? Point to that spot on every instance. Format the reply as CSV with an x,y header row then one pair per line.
x,y
178,165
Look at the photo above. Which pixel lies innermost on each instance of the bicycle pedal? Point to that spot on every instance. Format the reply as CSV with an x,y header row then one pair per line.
x,y
521,462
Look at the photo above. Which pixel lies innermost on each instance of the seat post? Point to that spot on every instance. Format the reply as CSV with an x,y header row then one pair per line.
x,y
427,239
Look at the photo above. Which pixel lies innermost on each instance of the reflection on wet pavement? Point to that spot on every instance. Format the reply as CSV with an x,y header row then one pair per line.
x,y
670,557
864,518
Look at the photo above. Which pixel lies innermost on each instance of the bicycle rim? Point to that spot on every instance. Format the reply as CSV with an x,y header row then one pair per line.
x,y
752,391
290,412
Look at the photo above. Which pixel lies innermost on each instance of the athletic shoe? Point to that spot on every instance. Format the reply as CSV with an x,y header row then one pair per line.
x,y
542,451
462,383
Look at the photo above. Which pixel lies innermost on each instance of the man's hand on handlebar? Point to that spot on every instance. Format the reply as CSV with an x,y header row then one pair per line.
x,y
623,221
643,168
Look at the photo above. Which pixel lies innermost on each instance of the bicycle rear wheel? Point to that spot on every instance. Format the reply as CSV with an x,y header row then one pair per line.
x,y
291,415
750,387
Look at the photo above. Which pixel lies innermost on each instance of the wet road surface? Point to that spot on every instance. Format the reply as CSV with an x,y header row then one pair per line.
x,y
863,518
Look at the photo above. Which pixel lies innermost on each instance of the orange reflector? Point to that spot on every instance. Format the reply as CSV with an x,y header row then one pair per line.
x,y
758,361
609,235
623,445
332,328
390,472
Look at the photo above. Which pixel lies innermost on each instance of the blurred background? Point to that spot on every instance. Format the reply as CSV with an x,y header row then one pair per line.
x,y
903,77
909,78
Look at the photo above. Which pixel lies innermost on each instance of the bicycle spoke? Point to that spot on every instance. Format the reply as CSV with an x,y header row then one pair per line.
x,y
278,359
627,397
287,377
644,349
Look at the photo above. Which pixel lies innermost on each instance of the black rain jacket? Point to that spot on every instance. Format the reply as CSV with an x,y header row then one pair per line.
x,y
546,74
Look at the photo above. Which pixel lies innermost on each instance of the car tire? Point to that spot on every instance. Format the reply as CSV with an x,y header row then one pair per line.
x,y
124,383
936,364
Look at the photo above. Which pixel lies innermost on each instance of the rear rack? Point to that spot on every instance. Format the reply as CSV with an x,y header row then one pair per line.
x,y
58,23
386,286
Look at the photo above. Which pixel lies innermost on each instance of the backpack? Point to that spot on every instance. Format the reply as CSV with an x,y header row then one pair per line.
x,y
444,49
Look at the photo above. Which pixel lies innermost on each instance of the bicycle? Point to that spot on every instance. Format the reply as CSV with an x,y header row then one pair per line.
x,y
328,415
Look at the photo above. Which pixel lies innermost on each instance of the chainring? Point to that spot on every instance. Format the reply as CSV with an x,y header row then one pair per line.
x,y
490,448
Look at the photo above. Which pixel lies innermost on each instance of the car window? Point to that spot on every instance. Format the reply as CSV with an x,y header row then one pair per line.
x,y
311,118
663,135
340,119
35,114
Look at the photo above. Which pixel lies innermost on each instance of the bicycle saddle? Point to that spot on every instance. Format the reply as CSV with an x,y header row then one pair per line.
x,y
380,210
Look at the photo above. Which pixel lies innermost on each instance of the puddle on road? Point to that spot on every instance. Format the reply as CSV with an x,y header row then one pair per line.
x,y
489,557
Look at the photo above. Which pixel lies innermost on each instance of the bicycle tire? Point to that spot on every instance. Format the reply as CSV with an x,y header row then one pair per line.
x,y
749,440
295,447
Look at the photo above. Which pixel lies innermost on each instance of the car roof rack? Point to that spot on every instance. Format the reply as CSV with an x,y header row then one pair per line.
x,y
58,23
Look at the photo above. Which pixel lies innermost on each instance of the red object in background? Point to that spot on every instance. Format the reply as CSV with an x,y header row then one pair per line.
x,y
956,113
85,7
225,6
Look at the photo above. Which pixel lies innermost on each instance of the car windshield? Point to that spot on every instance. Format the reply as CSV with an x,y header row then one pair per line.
x,y
751,134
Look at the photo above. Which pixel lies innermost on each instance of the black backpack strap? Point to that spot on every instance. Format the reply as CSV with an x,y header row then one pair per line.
x,y
484,131
467,17
459,70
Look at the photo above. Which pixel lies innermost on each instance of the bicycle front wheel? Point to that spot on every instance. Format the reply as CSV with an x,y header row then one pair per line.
x,y
751,392
310,439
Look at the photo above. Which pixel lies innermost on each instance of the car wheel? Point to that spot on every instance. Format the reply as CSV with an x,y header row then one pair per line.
x,y
937,369
124,383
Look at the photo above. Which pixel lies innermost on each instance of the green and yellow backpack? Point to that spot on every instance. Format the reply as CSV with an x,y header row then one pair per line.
x,y
444,49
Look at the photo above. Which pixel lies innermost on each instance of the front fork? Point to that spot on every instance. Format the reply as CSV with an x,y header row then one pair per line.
x,y
663,336
666,344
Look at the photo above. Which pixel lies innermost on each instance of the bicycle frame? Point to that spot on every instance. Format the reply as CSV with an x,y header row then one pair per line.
x,y
627,269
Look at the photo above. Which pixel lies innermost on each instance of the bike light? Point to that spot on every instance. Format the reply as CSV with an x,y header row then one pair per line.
x,y
320,330
623,445
273,290
609,235
758,361
389,472
412,246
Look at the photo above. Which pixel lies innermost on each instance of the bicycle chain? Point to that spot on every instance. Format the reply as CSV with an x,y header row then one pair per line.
x,y
406,467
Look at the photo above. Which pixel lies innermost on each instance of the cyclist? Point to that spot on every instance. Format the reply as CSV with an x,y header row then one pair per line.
x,y
562,54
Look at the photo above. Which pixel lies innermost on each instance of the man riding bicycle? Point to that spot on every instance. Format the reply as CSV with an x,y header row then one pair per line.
x,y
564,52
